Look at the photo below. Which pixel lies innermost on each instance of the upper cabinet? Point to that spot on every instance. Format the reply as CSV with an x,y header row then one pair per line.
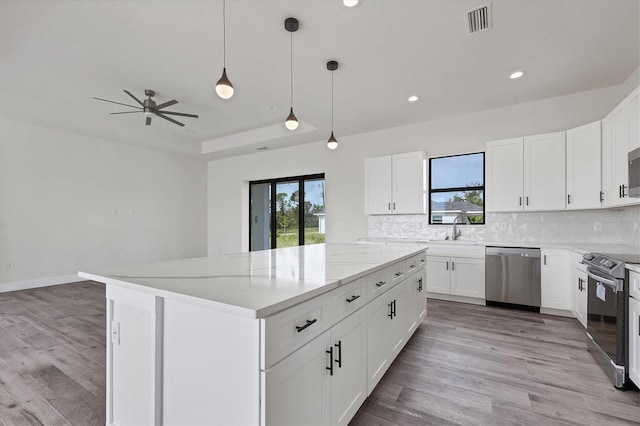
x,y
620,134
396,184
526,173
583,167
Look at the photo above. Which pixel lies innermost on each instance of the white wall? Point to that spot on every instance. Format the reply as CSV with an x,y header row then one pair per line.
x,y
57,195
346,221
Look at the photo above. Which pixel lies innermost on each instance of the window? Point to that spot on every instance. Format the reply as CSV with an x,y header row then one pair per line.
x,y
286,212
456,187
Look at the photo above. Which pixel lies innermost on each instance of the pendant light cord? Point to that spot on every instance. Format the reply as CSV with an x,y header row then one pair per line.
x,y
331,102
224,34
291,70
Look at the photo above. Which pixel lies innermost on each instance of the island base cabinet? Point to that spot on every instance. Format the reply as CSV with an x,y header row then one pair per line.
x,y
297,389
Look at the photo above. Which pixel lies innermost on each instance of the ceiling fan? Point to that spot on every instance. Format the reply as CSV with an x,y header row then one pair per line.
x,y
149,108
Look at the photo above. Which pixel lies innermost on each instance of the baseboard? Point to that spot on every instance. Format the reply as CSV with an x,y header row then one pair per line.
x,y
557,312
452,298
39,282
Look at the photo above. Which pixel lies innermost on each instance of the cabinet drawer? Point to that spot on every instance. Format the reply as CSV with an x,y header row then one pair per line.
x,y
377,283
347,299
286,331
397,272
413,264
634,284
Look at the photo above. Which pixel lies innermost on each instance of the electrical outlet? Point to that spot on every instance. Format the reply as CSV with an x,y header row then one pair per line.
x,y
6,266
597,226
503,226
635,226
419,225
132,211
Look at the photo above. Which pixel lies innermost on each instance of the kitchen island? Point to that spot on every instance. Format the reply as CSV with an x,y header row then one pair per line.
x,y
298,335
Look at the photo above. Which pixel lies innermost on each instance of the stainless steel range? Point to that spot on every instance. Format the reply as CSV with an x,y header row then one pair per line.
x,y
607,293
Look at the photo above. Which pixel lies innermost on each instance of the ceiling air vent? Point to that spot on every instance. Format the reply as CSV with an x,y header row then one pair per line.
x,y
479,19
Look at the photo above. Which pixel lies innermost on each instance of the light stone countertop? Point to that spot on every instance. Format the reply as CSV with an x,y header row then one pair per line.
x,y
260,283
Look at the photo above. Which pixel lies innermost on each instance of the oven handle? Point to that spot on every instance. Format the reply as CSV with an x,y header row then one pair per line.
x,y
606,281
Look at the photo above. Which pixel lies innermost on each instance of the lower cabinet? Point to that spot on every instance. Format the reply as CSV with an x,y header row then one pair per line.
x,y
322,383
554,279
634,340
458,276
580,289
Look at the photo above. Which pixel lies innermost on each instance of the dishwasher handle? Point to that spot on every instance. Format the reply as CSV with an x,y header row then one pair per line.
x,y
512,251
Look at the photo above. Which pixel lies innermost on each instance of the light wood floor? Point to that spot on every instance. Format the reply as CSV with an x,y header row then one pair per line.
x,y
465,365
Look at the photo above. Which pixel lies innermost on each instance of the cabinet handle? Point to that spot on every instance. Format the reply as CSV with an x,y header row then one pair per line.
x,y
638,325
390,314
352,298
422,260
447,266
601,196
389,206
412,266
394,308
623,194
544,259
330,367
568,198
339,358
527,197
394,205
420,285
453,266
580,284
399,274
519,201
380,283
300,328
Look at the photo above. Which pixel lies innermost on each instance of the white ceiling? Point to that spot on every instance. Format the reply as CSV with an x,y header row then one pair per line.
x,y
55,55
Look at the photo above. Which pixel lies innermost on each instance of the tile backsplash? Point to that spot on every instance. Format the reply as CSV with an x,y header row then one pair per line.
x,y
619,226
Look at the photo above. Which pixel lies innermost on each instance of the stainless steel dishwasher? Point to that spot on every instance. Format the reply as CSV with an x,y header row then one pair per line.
x,y
513,277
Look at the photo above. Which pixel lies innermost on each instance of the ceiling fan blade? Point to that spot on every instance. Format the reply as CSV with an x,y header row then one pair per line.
x,y
166,104
119,103
179,113
136,99
169,119
126,112
148,121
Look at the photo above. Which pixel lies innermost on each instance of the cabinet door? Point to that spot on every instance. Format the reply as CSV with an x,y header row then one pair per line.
x,y
378,338
377,181
297,389
609,194
580,286
467,277
584,167
554,277
420,295
619,151
634,340
349,381
403,316
634,121
544,172
409,183
504,175
438,279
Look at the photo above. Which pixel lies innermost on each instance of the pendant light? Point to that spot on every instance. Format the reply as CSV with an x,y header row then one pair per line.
x,y
224,88
291,25
332,143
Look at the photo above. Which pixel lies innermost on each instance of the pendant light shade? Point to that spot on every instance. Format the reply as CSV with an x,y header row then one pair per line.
x,y
224,88
332,143
291,25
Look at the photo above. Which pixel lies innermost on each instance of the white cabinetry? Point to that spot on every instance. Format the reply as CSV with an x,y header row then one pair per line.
x,y
634,327
396,184
620,135
583,167
526,173
578,288
554,280
456,276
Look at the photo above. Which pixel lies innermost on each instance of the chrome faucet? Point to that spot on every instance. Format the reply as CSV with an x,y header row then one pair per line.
x,y
455,233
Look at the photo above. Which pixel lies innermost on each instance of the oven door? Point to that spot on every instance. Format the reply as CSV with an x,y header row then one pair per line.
x,y
605,314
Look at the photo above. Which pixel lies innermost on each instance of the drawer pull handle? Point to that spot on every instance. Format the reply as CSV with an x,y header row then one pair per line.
x,y
412,266
300,328
420,285
339,357
390,314
399,274
380,283
421,260
330,367
352,298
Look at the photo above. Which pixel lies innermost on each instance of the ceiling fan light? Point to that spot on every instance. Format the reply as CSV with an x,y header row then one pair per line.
x,y
291,122
224,88
332,143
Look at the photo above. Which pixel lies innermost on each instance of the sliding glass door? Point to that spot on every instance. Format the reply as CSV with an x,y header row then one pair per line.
x,y
286,212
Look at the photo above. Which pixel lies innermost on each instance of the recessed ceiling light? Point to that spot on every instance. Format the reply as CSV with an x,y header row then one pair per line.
x,y
516,74
350,3
412,98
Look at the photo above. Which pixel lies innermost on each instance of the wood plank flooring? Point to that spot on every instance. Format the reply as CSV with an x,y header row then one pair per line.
x,y
477,365
466,364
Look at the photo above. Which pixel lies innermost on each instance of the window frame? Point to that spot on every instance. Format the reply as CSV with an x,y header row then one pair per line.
x,y
459,189
272,220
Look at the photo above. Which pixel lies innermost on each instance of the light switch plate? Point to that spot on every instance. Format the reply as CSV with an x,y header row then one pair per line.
x,y
597,226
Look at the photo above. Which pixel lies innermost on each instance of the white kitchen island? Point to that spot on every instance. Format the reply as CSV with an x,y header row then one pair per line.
x,y
298,335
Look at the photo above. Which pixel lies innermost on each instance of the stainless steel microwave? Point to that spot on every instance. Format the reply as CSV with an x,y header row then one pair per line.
x,y
634,173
